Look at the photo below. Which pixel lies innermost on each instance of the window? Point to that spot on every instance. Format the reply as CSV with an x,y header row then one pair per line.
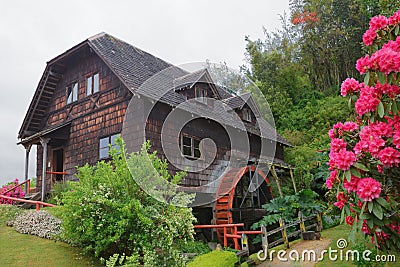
x,y
72,93
92,84
104,147
201,94
246,115
190,147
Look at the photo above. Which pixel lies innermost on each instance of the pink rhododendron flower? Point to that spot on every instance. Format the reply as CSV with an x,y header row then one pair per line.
x,y
337,144
349,220
351,186
382,129
342,159
363,64
378,22
333,176
395,18
365,228
389,157
396,138
369,37
350,126
349,86
341,200
379,168
368,100
368,189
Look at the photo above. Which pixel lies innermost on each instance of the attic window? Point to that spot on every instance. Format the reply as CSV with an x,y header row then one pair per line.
x,y
104,146
201,94
92,84
246,115
190,147
72,92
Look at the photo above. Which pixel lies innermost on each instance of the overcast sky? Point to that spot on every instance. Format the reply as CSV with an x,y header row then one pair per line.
x,y
178,31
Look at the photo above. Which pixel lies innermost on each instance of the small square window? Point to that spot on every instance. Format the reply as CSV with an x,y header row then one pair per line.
x,y
201,94
190,147
104,145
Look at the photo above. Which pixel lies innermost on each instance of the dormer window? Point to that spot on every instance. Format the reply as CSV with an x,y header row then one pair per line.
x,y
246,115
72,93
92,84
201,94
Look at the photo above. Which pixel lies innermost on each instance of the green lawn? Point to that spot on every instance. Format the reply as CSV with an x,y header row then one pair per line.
x,y
27,250
342,231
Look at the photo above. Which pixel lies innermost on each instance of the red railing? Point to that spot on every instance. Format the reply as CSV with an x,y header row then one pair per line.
x,y
235,235
28,182
37,203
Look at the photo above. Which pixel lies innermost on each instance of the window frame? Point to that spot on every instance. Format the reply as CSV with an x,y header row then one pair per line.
x,y
110,139
200,94
94,80
246,115
193,147
74,93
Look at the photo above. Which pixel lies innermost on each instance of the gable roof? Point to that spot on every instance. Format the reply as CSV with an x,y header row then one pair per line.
x,y
130,64
133,67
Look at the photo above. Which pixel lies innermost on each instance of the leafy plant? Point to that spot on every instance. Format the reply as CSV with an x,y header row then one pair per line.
x,y
107,213
287,208
8,212
16,192
364,154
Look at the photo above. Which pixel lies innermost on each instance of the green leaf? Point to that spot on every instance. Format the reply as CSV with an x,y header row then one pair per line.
x,y
363,208
342,216
347,174
370,206
349,103
396,30
366,78
394,107
378,211
382,202
355,172
381,110
381,77
360,166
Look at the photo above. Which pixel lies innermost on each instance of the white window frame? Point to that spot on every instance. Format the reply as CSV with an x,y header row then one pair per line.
x,y
92,84
72,92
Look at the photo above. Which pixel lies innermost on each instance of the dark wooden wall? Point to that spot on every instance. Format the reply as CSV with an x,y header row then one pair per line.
x,y
93,116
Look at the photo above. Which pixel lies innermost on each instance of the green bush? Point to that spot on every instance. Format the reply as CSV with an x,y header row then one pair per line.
x,y
107,213
215,259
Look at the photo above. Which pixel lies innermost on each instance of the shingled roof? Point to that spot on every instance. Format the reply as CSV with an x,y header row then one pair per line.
x,y
130,64
133,67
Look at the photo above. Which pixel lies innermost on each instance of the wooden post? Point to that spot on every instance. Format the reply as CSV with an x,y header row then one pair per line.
x,y
294,183
319,222
225,238
276,179
235,241
264,238
284,233
302,225
44,142
27,151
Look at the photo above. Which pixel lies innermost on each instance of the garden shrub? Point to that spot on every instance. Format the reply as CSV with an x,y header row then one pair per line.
x,y
107,213
17,192
40,223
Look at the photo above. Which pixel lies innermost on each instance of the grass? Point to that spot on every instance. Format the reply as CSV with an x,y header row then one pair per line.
x,y
215,258
27,250
342,231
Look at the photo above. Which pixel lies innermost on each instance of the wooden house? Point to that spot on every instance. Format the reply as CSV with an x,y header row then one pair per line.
x,y
85,93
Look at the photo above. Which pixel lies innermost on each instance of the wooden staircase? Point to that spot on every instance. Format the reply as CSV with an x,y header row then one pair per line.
x,y
30,196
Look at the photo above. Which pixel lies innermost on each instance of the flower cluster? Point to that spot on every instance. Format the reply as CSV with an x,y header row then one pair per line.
x,y
350,86
16,192
341,200
368,189
385,60
340,128
305,17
